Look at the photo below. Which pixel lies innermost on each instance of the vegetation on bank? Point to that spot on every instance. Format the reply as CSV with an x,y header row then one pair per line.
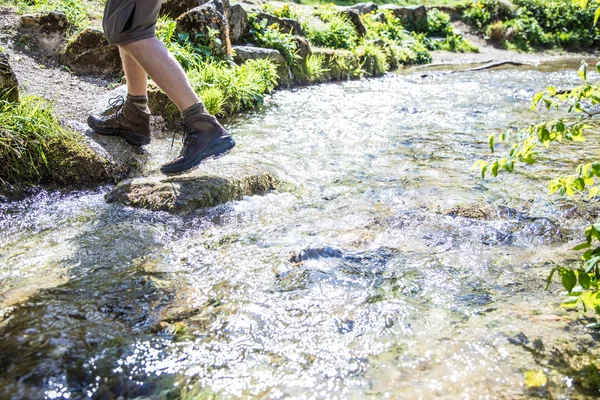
x,y
536,24
79,13
35,148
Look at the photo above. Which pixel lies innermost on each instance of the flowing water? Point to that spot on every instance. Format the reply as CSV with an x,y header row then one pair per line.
x,y
350,282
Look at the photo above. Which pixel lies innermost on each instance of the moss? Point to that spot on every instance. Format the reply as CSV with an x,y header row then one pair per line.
x,y
35,148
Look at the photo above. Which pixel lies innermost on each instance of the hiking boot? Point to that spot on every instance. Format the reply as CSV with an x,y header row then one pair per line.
x,y
129,122
203,138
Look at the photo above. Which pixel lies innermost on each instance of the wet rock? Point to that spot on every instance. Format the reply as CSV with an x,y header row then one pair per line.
x,y
9,85
200,21
364,8
238,24
411,16
286,25
90,54
195,190
244,53
474,211
354,18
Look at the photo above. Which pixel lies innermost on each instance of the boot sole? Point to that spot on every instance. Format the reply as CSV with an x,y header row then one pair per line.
x,y
136,139
217,149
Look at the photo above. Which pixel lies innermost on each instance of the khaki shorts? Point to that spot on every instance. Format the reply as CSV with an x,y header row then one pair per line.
x,y
127,21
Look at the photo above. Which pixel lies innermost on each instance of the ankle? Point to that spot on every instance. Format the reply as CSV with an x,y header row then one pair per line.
x,y
193,110
140,102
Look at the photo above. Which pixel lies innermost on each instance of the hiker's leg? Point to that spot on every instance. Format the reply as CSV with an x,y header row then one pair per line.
x,y
152,55
135,75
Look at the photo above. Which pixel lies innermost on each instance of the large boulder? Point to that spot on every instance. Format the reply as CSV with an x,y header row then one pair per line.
x,y
238,24
175,8
48,30
286,25
200,22
411,16
244,53
9,85
354,17
364,8
90,54
184,193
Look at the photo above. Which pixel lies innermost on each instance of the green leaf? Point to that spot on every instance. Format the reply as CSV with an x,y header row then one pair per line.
x,y
583,71
495,167
591,263
594,191
581,246
569,280
491,143
584,280
536,100
596,17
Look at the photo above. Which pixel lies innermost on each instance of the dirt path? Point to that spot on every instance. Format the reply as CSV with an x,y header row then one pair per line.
x,y
73,96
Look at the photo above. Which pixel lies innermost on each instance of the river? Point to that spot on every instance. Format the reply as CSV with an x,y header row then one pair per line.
x,y
352,281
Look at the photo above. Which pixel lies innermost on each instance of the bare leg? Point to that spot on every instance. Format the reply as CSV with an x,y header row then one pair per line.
x,y
154,58
135,74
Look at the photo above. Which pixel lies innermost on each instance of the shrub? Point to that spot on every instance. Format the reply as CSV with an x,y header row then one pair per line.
x,y
336,33
438,23
271,37
75,10
239,88
373,59
314,67
284,12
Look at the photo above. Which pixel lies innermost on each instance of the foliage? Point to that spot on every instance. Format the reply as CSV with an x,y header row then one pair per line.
x,y
536,23
29,137
315,67
581,104
223,89
271,37
75,10
240,88
337,31
438,23
373,59
286,11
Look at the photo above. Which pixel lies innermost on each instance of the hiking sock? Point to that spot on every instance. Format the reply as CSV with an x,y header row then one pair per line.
x,y
140,102
197,108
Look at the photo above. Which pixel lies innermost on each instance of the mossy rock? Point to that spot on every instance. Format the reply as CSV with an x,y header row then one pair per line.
x,y
90,54
194,191
9,85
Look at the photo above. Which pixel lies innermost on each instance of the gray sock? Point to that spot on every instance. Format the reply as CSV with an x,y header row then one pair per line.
x,y
140,101
197,108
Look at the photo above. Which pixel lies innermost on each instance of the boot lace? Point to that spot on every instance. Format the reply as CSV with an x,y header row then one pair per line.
x,y
188,135
117,104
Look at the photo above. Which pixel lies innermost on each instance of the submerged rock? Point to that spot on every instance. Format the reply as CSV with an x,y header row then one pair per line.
x,y
199,24
195,190
474,211
9,85
90,54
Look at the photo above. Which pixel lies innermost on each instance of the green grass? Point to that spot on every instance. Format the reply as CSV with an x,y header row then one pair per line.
x,y
32,142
